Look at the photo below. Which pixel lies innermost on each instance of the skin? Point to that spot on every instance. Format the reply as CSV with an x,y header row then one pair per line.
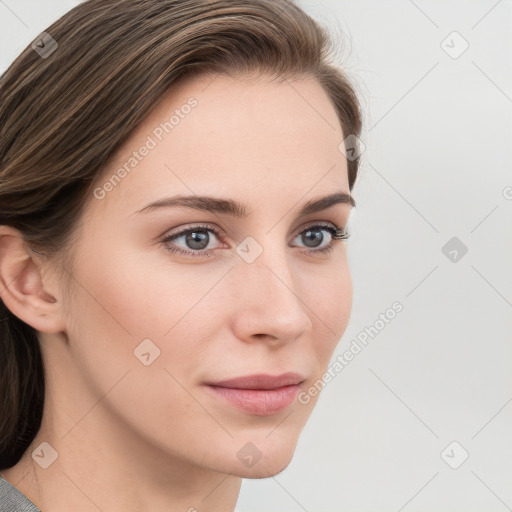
x,y
132,437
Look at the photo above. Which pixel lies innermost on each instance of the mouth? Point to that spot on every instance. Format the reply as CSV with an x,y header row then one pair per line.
x,y
261,381
260,394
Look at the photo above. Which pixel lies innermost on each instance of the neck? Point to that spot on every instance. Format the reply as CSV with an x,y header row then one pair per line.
x,y
101,467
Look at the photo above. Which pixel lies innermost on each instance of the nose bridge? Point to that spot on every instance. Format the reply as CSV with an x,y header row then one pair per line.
x,y
270,302
270,270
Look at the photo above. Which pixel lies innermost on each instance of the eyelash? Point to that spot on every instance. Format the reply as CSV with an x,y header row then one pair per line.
x,y
337,234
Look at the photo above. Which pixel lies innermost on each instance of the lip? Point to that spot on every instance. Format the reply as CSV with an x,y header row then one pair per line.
x,y
258,402
260,381
260,394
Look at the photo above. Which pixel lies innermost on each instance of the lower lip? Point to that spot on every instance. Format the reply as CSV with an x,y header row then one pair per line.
x,y
259,402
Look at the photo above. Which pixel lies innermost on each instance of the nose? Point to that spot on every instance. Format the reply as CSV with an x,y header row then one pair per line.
x,y
268,301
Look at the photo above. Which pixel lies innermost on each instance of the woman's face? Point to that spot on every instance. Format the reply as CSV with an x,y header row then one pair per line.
x,y
151,322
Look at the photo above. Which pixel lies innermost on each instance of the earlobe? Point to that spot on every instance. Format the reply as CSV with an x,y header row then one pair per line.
x,y
22,288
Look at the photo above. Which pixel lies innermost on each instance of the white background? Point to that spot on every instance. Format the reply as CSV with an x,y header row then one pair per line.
x,y
437,163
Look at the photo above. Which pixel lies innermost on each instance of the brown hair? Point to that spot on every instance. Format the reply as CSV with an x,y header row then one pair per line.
x,y
62,118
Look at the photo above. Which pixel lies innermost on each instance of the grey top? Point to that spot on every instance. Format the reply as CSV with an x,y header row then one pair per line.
x,y
13,500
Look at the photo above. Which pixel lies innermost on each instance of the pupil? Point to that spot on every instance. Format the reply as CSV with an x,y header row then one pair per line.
x,y
197,239
312,236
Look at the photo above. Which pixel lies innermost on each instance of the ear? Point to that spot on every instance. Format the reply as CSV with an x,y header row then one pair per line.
x,y
22,287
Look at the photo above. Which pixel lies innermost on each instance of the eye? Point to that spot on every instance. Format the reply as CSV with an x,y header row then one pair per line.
x,y
196,239
313,237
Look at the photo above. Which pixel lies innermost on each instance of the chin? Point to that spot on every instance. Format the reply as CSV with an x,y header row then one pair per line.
x,y
268,468
263,457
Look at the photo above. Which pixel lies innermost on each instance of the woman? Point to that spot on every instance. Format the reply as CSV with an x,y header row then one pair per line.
x,y
174,195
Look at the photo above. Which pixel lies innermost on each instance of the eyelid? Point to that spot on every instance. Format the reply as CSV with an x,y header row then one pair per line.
x,y
221,232
190,227
321,223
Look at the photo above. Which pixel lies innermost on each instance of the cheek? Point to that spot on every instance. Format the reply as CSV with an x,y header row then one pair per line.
x,y
330,302
144,295
143,298
121,303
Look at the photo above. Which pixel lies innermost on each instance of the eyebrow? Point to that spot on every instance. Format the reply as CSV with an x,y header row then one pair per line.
x,y
236,209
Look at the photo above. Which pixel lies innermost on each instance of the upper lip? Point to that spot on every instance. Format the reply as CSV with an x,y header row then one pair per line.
x,y
260,381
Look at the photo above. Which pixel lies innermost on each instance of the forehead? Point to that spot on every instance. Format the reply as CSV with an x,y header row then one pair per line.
x,y
246,138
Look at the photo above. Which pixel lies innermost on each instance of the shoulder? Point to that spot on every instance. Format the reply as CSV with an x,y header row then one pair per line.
x,y
12,500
